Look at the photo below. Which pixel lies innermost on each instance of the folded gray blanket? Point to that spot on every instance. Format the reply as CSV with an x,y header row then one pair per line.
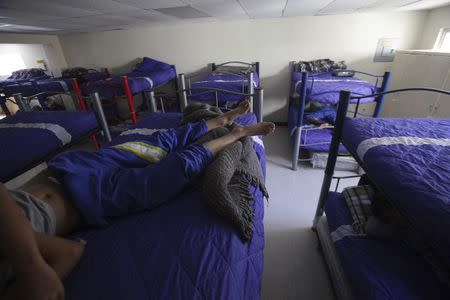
x,y
225,182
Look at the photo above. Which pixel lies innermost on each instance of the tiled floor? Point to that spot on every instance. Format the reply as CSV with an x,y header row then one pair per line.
x,y
293,265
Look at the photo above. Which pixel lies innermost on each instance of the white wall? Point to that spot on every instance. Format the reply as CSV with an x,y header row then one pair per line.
x,y
49,49
273,42
437,18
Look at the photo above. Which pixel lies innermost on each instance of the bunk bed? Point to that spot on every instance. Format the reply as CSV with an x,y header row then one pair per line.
x,y
147,76
180,250
235,76
407,162
321,89
31,138
42,85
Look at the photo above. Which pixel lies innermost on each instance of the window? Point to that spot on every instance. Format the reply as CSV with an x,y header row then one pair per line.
x,y
443,40
10,63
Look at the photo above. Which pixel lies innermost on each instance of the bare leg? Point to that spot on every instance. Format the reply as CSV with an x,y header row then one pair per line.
x,y
215,146
228,117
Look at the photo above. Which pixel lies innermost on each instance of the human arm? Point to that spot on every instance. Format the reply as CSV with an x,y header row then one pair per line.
x,y
19,246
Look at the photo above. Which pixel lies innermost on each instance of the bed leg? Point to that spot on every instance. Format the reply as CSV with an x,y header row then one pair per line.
x,y
344,99
296,148
126,87
258,104
152,102
250,89
257,71
78,94
101,119
23,106
380,100
183,98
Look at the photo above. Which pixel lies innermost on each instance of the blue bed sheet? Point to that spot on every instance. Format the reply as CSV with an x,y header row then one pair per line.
x,y
235,83
181,250
410,160
313,136
325,88
379,269
40,134
149,75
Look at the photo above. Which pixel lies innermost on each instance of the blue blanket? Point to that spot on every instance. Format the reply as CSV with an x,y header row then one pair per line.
x,y
325,88
30,137
376,268
147,76
409,159
235,83
180,250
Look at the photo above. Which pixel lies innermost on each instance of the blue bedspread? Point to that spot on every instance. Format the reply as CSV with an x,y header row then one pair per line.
x,y
410,160
236,83
310,138
379,269
325,88
149,75
40,135
181,250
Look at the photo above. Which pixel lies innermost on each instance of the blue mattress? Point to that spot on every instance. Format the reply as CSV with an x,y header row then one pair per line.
x,y
147,76
23,147
181,250
414,176
379,269
309,137
25,87
325,88
218,80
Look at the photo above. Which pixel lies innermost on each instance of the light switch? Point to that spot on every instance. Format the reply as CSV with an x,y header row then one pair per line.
x,y
385,51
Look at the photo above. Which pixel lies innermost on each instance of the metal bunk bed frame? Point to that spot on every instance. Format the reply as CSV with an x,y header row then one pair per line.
x,y
23,103
299,128
341,286
255,107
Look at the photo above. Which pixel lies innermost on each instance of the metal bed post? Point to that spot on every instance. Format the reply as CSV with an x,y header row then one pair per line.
x,y
78,94
213,67
23,106
183,98
126,87
153,107
298,129
380,99
258,101
250,89
101,116
257,70
83,107
344,99
4,107
177,86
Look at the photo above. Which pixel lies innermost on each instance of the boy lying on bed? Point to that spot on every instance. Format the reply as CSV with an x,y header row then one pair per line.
x,y
113,181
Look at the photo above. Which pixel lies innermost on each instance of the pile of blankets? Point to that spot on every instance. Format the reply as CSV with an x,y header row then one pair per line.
x,y
319,66
375,216
226,181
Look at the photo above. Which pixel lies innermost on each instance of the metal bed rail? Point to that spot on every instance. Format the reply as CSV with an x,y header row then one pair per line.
x,y
256,97
379,99
344,101
23,103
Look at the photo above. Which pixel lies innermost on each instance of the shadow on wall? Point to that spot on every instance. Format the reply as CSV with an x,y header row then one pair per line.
x,y
276,94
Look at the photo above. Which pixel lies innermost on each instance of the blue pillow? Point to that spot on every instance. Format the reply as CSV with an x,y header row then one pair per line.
x,y
150,65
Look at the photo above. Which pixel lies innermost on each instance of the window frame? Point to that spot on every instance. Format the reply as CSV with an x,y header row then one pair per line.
x,y
443,34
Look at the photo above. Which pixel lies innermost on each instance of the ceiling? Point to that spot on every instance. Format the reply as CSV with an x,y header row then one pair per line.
x,y
65,16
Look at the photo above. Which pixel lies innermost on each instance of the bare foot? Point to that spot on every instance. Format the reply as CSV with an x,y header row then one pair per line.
x,y
263,128
231,115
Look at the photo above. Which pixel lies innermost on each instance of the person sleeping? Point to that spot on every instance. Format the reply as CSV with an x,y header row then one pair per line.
x,y
86,188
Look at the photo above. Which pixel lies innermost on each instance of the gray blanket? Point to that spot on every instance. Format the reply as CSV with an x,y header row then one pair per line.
x,y
225,182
